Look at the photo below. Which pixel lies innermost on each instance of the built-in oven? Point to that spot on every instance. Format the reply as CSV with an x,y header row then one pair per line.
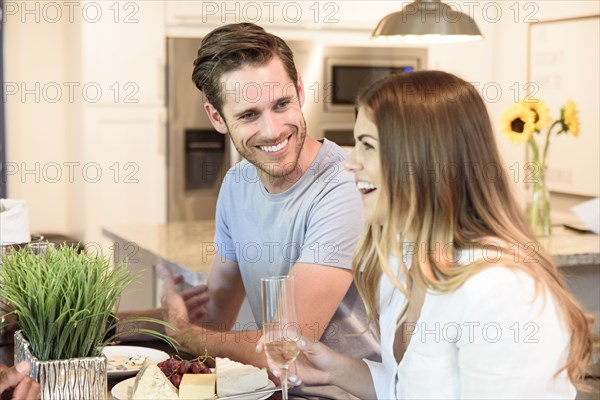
x,y
199,156
204,159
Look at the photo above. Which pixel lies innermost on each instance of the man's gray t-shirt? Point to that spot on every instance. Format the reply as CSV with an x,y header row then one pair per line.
x,y
316,221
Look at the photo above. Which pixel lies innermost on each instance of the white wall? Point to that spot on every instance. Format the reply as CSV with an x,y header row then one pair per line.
x,y
510,67
50,53
40,118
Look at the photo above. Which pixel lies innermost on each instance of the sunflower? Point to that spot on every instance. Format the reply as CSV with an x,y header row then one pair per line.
x,y
541,116
569,118
518,123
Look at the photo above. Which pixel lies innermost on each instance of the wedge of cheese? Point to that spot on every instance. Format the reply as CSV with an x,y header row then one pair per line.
x,y
197,387
234,377
151,383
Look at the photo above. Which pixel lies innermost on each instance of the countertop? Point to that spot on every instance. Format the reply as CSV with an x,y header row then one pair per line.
x,y
189,245
188,249
569,248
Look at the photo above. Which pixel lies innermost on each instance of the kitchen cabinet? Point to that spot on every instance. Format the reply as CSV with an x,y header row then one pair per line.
x,y
123,143
291,15
123,168
214,13
123,52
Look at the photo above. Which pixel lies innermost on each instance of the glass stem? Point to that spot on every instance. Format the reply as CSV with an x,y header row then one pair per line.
x,y
284,383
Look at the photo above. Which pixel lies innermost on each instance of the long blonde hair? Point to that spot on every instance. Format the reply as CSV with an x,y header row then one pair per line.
x,y
445,186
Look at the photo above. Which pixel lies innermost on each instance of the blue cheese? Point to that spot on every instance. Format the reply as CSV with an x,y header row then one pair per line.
x,y
125,363
151,383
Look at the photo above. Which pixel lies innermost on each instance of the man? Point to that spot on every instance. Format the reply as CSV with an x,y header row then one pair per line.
x,y
288,208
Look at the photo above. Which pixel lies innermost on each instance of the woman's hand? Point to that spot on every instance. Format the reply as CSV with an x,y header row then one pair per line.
x,y
16,379
315,365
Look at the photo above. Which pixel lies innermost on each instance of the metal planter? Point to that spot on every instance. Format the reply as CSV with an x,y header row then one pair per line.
x,y
70,379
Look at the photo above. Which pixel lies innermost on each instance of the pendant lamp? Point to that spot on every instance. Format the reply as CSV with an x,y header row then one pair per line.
x,y
427,21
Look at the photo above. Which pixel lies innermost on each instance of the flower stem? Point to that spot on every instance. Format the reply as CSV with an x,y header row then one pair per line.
x,y
534,149
547,144
539,203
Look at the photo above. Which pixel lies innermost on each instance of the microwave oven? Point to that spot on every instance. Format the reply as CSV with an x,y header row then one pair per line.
x,y
347,77
347,71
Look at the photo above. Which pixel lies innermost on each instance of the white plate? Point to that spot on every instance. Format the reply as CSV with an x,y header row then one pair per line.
x,y
259,396
121,390
112,352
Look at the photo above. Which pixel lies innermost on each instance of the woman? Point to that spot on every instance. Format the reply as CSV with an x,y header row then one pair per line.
x,y
487,315
16,384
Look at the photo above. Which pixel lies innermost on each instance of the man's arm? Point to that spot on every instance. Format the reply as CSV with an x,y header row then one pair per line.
x,y
226,294
319,292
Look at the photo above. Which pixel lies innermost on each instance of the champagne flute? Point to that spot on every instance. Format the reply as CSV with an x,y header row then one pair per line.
x,y
281,330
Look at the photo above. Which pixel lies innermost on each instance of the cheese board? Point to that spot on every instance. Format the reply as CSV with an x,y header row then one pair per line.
x,y
123,389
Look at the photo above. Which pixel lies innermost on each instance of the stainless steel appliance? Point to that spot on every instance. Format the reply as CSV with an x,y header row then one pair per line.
x,y
349,70
199,156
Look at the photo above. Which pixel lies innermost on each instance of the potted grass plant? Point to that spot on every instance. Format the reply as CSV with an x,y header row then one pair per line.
x,y
63,300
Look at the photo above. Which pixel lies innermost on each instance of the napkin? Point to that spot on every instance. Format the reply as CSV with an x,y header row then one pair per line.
x,y
589,213
14,222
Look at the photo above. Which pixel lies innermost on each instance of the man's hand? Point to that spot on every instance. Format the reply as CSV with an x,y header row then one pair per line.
x,y
17,380
195,300
174,309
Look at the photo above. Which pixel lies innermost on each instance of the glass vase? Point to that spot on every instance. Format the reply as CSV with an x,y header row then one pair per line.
x,y
538,204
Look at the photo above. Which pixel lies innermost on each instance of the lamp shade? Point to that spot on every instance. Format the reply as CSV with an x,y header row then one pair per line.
x,y
428,21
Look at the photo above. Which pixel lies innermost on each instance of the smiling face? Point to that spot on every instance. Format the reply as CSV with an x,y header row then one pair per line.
x,y
262,113
365,163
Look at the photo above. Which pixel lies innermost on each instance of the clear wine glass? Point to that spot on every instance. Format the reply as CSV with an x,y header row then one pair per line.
x,y
281,330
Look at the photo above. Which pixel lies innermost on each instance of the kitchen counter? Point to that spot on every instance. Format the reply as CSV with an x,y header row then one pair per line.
x,y
569,248
188,246
188,249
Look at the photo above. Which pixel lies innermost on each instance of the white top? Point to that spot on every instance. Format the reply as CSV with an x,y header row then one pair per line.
x,y
490,338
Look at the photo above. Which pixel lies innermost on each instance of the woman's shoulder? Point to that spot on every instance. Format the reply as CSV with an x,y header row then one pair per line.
x,y
499,279
496,274
508,291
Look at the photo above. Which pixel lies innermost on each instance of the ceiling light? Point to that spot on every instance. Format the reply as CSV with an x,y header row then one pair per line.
x,y
427,21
